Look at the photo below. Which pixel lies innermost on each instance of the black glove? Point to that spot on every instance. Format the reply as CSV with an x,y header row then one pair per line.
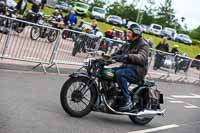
x,y
120,58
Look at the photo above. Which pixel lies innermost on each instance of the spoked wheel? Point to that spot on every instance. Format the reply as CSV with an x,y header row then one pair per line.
x,y
35,33
78,96
52,35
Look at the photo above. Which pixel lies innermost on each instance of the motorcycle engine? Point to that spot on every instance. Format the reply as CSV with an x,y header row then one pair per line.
x,y
113,94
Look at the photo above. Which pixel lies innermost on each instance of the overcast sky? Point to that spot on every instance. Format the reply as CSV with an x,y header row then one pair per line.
x,y
190,9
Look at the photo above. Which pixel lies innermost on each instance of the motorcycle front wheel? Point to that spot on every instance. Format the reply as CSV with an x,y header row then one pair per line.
x,y
35,33
78,96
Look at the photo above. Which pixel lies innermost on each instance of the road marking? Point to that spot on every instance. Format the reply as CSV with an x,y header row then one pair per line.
x,y
169,98
191,106
194,96
156,129
176,101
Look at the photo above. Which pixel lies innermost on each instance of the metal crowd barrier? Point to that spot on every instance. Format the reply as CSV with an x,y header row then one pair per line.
x,y
24,41
74,47
174,66
28,42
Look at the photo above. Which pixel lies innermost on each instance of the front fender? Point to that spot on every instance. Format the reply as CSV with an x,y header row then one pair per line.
x,y
85,75
79,74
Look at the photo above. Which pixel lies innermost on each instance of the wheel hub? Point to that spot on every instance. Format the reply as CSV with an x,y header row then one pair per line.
x,y
76,96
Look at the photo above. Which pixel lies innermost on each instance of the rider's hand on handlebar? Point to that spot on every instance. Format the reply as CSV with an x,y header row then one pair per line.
x,y
120,58
106,56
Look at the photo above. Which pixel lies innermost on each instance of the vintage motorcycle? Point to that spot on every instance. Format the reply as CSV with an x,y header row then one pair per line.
x,y
181,63
6,24
42,32
96,89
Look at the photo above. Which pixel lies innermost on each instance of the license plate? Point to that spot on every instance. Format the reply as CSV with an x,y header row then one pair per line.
x,y
161,99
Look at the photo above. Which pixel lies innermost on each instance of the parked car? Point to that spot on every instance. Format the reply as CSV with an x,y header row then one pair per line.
x,y
169,33
81,8
115,20
131,23
155,29
98,13
183,38
196,63
144,28
61,5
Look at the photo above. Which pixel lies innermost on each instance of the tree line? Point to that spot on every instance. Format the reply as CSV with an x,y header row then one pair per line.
x,y
163,14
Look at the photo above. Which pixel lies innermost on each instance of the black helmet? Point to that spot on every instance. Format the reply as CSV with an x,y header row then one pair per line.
x,y
135,29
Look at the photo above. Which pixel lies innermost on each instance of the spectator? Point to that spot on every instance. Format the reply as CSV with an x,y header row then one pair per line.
x,y
81,22
94,26
22,4
163,46
175,49
71,18
11,3
43,3
159,57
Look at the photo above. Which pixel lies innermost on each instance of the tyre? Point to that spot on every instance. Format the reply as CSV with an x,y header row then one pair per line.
x,y
140,120
65,34
76,92
52,36
35,33
74,51
77,47
19,29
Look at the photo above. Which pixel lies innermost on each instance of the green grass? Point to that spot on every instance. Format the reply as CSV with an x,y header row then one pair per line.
x,y
191,51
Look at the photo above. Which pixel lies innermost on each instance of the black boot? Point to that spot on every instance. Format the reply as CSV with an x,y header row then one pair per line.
x,y
126,105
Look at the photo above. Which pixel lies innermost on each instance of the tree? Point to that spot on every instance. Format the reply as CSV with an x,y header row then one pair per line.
x,y
166,14
195,34
97,3
123,10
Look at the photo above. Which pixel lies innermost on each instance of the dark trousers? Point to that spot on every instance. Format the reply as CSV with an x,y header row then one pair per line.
x,y
123,74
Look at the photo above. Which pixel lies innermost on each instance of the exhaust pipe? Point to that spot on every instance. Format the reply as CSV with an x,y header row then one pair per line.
x,y
144,113
151,113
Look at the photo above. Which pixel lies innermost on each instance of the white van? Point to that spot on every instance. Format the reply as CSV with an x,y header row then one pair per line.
x,y
155,29
98,13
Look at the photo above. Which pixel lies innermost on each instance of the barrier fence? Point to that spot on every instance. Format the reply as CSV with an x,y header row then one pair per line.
x,y
43,44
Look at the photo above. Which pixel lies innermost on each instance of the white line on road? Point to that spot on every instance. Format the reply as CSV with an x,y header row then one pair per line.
x,y
176,101
169,98
191,106
156,129
193,96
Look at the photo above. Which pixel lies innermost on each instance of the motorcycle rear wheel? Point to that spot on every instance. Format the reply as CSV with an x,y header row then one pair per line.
x,y
78,97
140,120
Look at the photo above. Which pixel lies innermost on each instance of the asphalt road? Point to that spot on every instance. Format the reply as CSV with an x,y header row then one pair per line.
x,y
29,103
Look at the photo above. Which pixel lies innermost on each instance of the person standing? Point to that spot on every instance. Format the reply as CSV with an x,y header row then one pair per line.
x,y
163,46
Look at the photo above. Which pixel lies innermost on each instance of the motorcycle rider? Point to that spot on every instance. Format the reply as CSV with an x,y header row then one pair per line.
x,y
134,58
162,46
